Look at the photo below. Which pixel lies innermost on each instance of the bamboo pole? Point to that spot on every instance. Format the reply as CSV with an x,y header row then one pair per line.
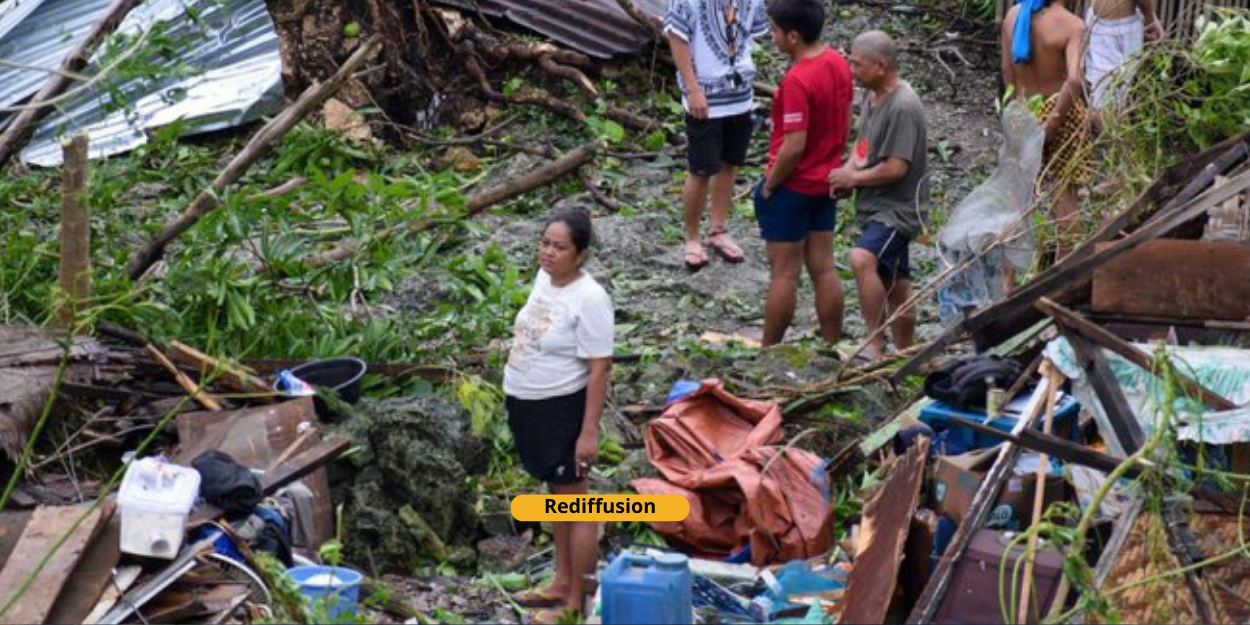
x,y
1039,487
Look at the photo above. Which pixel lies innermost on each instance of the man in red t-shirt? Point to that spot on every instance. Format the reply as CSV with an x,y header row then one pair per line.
x,y
811,118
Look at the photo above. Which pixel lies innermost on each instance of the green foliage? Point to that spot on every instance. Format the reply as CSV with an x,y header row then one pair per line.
x,y
1219,86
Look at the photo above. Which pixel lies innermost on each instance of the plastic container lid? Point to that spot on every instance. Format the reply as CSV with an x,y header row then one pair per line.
x,y
154,485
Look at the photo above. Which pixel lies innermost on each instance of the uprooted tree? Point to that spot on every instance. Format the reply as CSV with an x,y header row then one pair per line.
x,y
429,52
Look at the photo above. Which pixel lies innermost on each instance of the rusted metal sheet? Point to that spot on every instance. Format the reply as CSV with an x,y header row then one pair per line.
x,y
1177,278
599,28
883,535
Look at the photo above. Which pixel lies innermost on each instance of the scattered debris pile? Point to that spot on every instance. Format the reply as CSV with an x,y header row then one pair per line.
x,y
196,522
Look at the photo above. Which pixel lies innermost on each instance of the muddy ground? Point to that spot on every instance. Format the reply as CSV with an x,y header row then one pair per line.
x,y
638,257
663,309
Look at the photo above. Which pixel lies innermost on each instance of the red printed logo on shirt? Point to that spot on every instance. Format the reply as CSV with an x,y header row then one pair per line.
x,y
861,150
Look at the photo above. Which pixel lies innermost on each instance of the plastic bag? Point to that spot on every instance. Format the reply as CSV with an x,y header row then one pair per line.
x,y
995,208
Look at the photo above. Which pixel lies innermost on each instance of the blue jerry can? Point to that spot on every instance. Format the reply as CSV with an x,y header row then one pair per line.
x,y
645,590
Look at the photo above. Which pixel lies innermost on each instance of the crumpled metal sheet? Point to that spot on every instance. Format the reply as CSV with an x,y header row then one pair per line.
x,y
599,28
232,48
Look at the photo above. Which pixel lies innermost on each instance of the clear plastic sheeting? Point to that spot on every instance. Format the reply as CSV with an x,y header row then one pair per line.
x,y
990,228
231,50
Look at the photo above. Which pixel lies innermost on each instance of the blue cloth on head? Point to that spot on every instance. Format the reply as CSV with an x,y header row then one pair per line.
x,y
1021,46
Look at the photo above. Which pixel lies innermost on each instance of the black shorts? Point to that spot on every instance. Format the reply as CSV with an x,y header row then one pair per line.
x,y
711,143
546,431
891,249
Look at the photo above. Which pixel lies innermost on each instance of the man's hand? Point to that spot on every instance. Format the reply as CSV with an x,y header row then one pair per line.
x,y
586,452
698,103
1154,30
842,179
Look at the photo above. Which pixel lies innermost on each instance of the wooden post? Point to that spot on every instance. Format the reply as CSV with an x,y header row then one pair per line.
x,y
1039,492
23,126
75,269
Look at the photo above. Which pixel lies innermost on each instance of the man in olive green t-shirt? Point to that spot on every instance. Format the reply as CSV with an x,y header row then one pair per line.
x,y
887,170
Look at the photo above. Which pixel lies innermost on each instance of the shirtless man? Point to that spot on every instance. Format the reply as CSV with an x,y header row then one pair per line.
x,y
1041,55
1117,29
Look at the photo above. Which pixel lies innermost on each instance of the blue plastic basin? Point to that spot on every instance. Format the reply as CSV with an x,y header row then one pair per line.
x,y
338,587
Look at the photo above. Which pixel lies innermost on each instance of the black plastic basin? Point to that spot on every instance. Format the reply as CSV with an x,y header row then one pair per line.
x,y
342,375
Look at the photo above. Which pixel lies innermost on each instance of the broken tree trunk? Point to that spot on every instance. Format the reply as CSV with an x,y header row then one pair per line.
x,y
75,268
479,202
23,126
315,35
260,145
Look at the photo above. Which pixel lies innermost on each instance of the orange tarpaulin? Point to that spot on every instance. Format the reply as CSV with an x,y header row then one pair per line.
x,y
712,448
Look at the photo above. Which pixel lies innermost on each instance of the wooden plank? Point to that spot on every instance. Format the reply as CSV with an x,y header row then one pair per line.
x,y
91,578
1177,277
12,524
189,385
1100,336
883,535
232,377
1124,425
22,602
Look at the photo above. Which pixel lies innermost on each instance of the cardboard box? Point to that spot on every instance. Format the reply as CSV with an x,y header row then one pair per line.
x,y
957,478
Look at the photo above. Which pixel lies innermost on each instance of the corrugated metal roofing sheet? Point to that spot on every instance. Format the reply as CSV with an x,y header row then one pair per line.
x,y
231,45
599,28
49,29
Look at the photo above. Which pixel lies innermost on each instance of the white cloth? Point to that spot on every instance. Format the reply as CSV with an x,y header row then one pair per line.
x,y
703,25
1111,42
557,330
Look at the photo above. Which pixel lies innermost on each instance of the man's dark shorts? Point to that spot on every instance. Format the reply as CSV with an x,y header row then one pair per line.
x,y
711,143
891,249
788,216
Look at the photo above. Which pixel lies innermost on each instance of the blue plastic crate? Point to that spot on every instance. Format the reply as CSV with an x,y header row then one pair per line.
x,y
958,439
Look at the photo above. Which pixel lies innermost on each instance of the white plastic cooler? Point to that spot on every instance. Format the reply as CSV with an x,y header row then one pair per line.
x,y
154,501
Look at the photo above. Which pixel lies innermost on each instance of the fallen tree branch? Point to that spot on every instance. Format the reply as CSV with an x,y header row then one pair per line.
x,y
23,126
279,190
600,197
539,177
259,146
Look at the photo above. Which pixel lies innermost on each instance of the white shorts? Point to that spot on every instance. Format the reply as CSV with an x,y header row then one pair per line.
x,y
1110,44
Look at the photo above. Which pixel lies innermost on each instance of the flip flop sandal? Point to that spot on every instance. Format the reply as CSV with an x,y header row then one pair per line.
x,y
723,247
536,598
695,260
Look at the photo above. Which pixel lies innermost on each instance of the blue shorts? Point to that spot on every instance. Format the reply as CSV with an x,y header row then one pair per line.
x,y
788,216
891,249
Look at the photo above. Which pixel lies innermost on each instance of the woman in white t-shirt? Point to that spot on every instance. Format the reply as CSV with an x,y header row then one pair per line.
x,y
556,381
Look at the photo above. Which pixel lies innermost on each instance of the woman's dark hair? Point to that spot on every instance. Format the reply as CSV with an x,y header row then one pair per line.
x,y
578,222
806,17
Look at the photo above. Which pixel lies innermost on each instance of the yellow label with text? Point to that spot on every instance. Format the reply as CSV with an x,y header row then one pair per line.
x,y
600,507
